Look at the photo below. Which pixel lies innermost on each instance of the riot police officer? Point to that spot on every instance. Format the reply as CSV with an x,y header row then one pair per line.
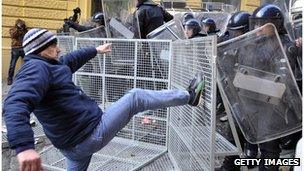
x,y
192,29
269,13
187,16
150,16
237,25
208,26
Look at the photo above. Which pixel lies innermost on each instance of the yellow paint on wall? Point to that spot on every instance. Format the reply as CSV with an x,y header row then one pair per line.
x,y
12,2
250,5
53,4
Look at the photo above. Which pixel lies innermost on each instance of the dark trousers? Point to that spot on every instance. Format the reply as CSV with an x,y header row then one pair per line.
x,y
270,149
15,54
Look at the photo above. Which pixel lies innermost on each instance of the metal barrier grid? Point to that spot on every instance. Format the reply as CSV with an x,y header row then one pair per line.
x,y
193,142
66,44
106,78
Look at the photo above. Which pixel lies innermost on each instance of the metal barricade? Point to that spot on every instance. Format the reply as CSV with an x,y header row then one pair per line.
x,y
193,142
66,44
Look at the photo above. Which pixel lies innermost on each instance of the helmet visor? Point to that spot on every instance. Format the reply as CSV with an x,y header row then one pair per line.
x,y
255,23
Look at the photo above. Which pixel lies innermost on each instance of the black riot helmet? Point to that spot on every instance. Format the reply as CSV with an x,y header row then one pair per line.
x,y
267,13
238,24
210,23
194,25
187,16
98,18
239,21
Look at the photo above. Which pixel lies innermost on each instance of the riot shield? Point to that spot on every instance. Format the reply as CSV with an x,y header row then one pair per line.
x,y
221,19
120,19
259,86
172,30
98,32
179,15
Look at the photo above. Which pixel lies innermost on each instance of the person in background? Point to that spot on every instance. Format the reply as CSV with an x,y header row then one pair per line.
x,y
97,19
238,25
193,29
209,26
269,13
17,33
187,16
150,16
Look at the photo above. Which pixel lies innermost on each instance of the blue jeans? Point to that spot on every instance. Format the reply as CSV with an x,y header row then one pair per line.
x,y
116,117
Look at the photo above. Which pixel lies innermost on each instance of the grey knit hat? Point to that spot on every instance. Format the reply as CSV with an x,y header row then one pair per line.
x,y
36,40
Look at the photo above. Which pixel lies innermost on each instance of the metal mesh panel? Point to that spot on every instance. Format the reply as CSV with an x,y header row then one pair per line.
x,y
120,154
192,130
94,66
164,163
66,44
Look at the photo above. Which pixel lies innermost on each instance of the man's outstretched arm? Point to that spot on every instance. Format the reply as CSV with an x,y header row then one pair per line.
x,y
78,58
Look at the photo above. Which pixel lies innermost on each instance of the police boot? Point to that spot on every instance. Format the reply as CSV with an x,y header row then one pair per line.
x,y
250,150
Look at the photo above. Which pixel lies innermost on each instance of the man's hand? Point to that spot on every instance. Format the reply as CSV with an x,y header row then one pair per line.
x,y
104,48
29,160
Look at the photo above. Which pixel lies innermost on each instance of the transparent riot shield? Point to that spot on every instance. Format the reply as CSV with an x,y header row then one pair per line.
x,y
179,15
98,32
221,19
256,79
120,19
172,30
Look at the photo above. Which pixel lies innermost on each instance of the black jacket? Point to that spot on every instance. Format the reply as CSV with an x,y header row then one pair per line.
x,y
78,27
151,16
198,35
